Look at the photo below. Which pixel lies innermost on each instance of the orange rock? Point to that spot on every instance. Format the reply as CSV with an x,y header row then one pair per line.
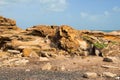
x,y
27,52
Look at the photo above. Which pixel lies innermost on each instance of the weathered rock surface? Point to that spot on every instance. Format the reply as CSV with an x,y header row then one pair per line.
x,y
69,40
43,30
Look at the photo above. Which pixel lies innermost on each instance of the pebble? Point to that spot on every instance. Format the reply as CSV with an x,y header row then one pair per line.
x,y
27,70
44,59
47,66
110,59
109,74
90,75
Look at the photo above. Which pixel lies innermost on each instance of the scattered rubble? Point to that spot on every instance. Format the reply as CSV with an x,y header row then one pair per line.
x,y
15,62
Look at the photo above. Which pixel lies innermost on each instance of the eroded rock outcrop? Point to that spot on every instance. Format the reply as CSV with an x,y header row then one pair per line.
x,y
50,41
8,24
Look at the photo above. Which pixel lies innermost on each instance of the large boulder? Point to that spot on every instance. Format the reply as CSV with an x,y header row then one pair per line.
x,y
69,40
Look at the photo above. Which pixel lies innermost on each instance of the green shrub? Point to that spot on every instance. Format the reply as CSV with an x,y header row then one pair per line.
x,y
100,45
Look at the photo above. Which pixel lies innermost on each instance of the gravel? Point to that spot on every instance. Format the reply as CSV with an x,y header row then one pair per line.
x,y
22,74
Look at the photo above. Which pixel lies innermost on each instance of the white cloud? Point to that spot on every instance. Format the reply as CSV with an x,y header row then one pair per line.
x,y
106,13
5,2
97,17
116,9
2,2
84,14
48,5
54,5
91,17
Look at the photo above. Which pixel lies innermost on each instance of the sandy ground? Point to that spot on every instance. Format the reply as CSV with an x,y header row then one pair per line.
x,y
74,67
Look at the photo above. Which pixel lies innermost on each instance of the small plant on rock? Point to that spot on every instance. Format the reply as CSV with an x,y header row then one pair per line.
x,y
100,45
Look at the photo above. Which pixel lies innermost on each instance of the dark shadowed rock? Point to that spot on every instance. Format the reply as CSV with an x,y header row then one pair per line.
x,y
110,59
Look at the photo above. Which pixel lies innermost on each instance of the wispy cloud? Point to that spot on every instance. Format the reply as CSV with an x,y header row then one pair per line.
x,y
116,9
84,14
97,17
54,5
48,5
2,3
92,17
106,13
7,2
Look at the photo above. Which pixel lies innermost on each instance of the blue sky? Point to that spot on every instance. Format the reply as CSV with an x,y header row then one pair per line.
x,y
80,14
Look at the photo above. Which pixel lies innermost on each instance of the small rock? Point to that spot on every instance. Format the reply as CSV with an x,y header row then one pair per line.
x,y
90,75
27,70
62,68
44,59
53,55
26,52
107,66
117,78
47,66
109,74
14,51
33,54
110,59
